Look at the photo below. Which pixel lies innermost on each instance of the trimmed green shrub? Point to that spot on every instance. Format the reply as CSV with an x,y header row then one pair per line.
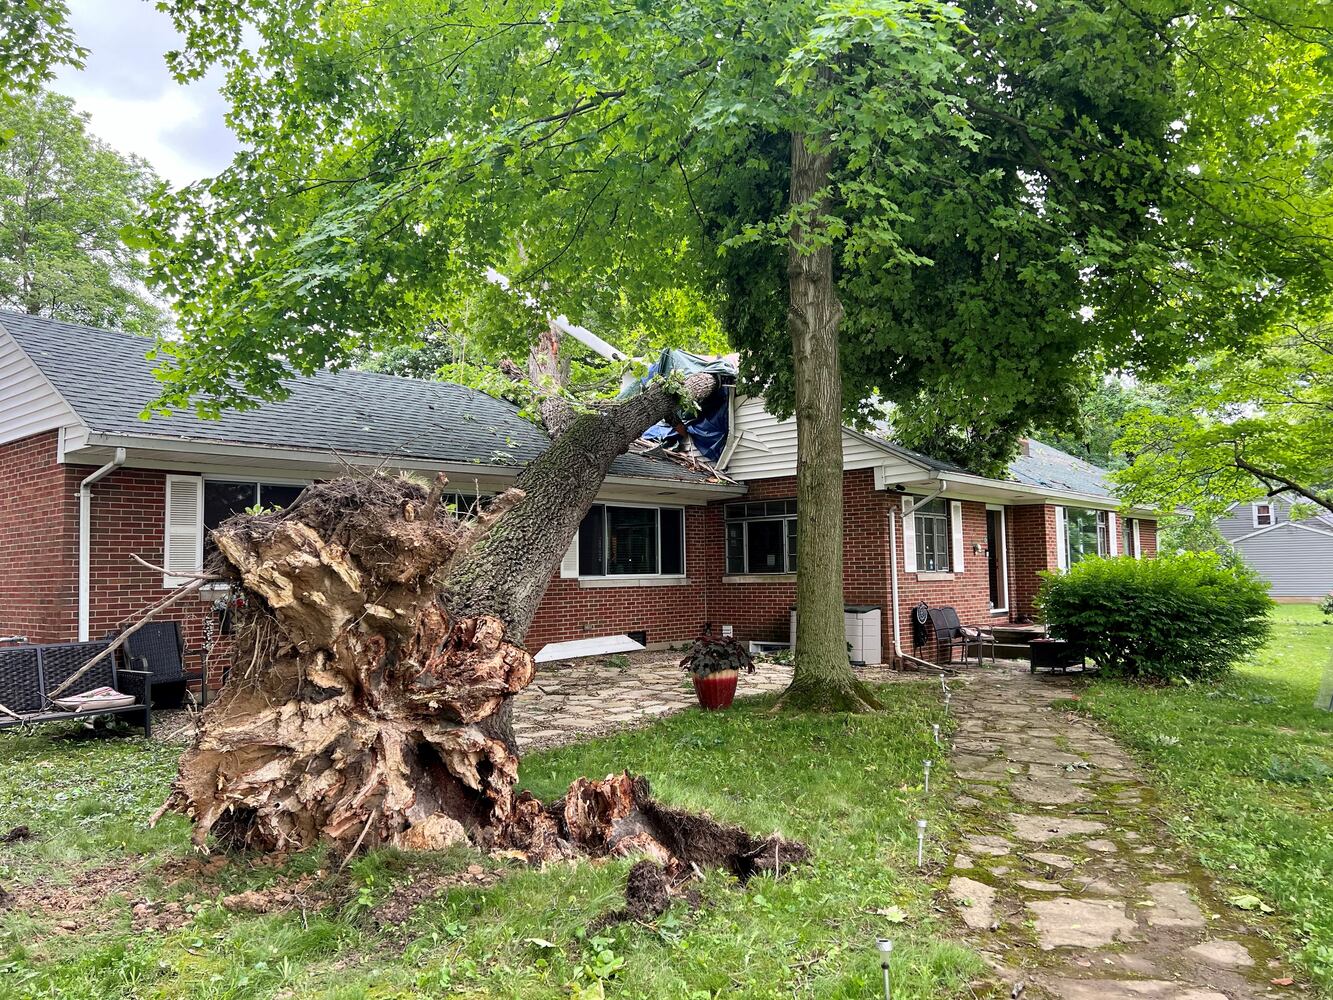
x,y
1326,604
1188,616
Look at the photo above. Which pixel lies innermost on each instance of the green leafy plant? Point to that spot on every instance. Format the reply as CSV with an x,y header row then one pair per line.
x,y
1326,604
1182,617
712,654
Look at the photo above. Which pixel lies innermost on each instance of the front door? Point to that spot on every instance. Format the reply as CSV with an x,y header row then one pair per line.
x,y
996,559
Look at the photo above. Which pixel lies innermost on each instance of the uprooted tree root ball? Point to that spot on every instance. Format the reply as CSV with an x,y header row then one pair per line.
x,y
363,710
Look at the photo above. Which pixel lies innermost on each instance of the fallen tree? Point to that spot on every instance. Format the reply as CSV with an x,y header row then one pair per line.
x,y
377,657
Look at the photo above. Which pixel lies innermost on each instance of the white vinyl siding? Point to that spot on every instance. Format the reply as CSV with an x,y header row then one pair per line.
x,y
765,447
28,403
183,542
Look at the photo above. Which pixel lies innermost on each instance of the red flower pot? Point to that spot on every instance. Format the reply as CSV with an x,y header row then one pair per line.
x,y
716,690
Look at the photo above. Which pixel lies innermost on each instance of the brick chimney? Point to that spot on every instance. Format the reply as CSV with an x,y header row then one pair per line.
x,y
1025,447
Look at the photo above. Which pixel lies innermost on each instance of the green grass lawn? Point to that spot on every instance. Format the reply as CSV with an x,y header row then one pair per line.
x,y
1247,766
849,786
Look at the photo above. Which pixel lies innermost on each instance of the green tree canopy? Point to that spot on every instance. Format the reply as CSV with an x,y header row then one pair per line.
x,y
35,38
1241,424
65,197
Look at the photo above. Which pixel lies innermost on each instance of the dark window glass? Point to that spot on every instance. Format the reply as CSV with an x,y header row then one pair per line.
x,y
592,542
1128,547
673,541
222,500
631,540
761,537
736,547
764,550
932,537
1084,533
274,495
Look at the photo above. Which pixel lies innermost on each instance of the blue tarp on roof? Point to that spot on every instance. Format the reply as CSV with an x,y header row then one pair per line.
x,y
709,427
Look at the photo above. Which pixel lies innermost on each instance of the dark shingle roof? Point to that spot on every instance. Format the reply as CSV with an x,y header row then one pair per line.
x,y
1051,468
105,378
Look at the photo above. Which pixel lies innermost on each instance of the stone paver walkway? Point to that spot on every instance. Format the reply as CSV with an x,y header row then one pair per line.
x,y
1066,876
580,699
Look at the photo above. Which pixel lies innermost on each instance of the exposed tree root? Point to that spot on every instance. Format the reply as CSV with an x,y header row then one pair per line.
x,y
827,697
362,712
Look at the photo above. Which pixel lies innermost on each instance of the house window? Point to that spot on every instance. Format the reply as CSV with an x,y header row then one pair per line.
x,y
1263,515
223,499
632,541
1127,529
932,536
1087,534
761,537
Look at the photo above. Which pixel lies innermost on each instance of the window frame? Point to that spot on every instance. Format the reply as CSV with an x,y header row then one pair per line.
x,y
257,483
789,521
1270,513
927,524
656,507
1101,527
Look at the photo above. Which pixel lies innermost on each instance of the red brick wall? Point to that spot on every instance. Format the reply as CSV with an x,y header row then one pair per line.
x,y
1032,548
1147,539
762,610
39,525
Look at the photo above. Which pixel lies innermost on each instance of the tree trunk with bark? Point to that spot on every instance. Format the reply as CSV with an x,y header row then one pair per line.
x,y
376,660
823,677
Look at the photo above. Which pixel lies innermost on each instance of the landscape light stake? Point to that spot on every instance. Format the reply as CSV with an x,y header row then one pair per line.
x,y
928,763
920,843
885,948
936,728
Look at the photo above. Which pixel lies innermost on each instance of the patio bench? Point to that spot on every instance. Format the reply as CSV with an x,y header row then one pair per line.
x,y
951,633
29,673
158,649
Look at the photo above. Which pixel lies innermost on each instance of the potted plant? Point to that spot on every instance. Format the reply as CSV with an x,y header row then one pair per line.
x,y
714,662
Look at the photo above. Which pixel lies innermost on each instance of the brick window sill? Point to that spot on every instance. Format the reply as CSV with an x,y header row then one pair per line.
x,y
935,577
606,582
760,578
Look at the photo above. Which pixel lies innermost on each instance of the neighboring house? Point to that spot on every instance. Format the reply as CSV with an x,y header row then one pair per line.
x,y
1295,557
85,483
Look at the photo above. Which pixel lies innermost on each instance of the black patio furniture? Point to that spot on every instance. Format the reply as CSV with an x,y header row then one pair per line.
x,y
30,674
1055,654
951,634
158,648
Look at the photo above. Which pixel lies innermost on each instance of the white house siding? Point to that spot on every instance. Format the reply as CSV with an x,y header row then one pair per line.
x,y
765,447
28,404
1297,561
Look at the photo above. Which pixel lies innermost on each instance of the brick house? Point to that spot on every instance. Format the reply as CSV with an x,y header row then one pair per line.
x,y
85,482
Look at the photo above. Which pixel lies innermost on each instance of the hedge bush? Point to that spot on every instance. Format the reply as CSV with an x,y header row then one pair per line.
x,y
1188,616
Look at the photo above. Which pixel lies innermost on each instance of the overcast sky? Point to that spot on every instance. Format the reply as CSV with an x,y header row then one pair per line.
x,y
133,102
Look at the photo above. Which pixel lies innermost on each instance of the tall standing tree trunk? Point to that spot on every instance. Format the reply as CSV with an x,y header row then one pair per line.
x,y
823,677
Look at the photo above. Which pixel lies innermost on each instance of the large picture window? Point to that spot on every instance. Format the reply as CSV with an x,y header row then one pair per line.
x,y
632,541
1087,534
761,537
932,536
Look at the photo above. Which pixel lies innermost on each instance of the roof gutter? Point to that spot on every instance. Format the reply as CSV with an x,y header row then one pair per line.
x,y
85,538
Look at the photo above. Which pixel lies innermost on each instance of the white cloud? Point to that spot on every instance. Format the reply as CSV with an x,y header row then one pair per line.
x,y
131,99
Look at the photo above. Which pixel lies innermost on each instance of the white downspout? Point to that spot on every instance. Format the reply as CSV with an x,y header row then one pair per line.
x,y
893,577
85,538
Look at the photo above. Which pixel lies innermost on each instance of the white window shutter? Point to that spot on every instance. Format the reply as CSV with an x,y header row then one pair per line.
x,y
569,566
1111,533
183,541
1138,548
1061,540
956,525
909,536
